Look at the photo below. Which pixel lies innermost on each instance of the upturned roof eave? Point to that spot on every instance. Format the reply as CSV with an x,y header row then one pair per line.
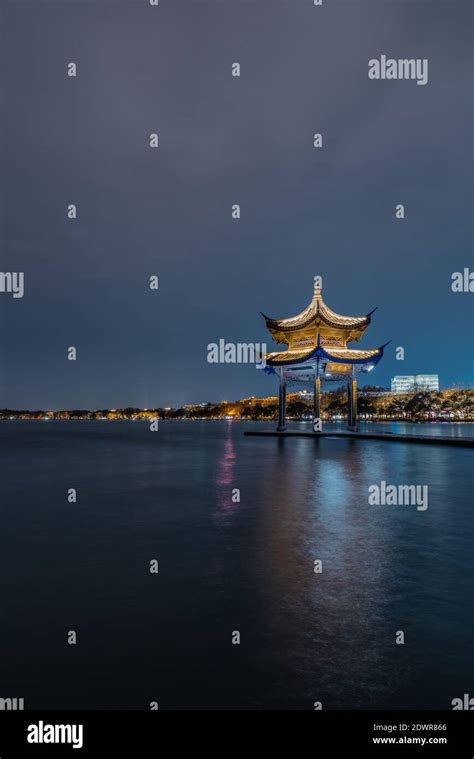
x,y
320,352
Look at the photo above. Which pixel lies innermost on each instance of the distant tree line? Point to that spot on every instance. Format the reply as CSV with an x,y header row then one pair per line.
x,y
449,405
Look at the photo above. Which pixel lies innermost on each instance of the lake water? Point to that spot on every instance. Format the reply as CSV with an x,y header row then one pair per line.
x,y
229,566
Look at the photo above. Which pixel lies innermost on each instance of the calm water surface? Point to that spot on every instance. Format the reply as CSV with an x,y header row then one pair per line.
x,y
226,566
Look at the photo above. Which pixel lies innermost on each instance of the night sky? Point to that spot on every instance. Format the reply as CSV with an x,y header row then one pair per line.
x,y
226,140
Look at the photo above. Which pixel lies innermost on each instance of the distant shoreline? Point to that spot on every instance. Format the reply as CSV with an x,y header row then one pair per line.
x,y
237,419
374,405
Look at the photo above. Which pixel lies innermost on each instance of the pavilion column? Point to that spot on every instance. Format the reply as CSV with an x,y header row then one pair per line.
x,y
352,404
317,399
282,403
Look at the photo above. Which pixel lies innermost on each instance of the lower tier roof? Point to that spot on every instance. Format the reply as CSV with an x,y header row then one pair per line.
x,y
336,355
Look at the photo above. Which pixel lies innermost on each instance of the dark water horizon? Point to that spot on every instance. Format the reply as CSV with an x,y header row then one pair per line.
x,y
227,565
464,429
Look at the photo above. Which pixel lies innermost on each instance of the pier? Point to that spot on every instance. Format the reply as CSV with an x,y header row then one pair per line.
x,y
391,437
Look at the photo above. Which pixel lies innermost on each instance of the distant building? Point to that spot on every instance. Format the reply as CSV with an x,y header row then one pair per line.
x,y
304,395
427,382
412,382
403,384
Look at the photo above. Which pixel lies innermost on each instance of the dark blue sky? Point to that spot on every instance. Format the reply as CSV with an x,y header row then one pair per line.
x,y
225,140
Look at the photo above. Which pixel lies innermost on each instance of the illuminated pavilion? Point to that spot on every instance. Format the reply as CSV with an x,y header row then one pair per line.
x,y
317,349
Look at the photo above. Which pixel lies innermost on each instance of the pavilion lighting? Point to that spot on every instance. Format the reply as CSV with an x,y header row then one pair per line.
x,y
317,339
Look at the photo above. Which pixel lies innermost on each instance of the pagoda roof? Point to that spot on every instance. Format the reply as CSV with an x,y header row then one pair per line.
x,y
318,312
335,355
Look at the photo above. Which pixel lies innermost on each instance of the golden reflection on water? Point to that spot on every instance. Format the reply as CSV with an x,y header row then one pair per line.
x,y
319,510
224,480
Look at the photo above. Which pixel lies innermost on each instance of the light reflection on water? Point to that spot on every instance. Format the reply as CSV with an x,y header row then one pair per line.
x,y
226,504
228,566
